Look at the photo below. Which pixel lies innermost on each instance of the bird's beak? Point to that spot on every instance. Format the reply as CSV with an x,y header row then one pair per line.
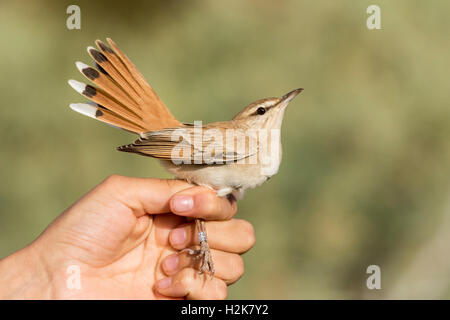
x,y
289,96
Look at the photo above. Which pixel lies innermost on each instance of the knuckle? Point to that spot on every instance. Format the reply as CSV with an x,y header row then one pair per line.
x,y
171,183
113,179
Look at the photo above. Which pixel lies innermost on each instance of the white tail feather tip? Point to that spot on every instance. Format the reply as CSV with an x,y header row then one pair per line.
x,y
78,86
84,109
80,65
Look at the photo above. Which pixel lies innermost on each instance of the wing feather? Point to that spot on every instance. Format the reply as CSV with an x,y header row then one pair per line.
x,y
205,145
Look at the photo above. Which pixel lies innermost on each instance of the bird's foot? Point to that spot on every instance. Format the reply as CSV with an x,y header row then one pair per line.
x,y
204,253
207,263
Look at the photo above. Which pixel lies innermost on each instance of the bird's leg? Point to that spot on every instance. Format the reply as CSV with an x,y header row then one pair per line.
x,y
204,253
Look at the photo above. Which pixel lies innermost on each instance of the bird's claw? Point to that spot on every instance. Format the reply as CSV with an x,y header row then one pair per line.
x,y
207,262
204,253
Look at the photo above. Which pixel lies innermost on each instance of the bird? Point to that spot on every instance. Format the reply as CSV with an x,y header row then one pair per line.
x,y
228,156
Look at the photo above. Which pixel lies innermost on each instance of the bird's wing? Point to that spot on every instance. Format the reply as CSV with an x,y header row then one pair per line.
x,y
196,145
122,98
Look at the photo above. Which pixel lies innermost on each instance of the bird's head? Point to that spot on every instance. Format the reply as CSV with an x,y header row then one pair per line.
x,y
267,113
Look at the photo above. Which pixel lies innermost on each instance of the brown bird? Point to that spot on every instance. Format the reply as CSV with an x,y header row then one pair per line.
x,y
229,156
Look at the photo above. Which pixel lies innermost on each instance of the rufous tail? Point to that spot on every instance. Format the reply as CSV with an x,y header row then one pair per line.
x,y
121,97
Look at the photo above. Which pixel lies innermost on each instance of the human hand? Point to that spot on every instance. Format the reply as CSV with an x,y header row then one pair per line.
x,y
123,240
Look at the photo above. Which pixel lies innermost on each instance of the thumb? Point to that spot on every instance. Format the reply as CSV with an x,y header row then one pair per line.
x,y
141,195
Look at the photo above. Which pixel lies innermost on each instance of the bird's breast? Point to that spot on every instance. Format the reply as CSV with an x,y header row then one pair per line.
x,y
233,175
238,175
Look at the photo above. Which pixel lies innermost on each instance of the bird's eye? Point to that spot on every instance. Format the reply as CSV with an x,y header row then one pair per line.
x,y
261,111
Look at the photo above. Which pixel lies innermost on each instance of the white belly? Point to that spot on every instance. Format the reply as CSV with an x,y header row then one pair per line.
x,y
236,176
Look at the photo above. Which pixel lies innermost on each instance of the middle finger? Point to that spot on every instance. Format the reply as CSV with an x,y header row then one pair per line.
x,y
236,236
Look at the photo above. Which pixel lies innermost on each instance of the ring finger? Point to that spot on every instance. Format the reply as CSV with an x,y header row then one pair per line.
x,y
229,267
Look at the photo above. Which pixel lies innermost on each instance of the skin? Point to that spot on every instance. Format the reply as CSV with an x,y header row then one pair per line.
x,y
124,237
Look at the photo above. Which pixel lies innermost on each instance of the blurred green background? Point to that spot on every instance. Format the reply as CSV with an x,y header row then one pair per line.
x,y
365,174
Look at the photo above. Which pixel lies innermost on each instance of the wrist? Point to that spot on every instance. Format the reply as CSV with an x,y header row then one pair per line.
x,y
23,275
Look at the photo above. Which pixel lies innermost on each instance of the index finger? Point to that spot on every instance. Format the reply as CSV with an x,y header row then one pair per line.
x,y
202,202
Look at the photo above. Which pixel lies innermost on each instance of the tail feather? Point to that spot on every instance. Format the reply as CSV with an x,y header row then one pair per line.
x,y
109,68
154,100
101,97
121,69
107,83
123,98
100,113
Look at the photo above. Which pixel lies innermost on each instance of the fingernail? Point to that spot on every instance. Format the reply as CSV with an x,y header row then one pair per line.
x,y
182,203
178,236
171,262
164,283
